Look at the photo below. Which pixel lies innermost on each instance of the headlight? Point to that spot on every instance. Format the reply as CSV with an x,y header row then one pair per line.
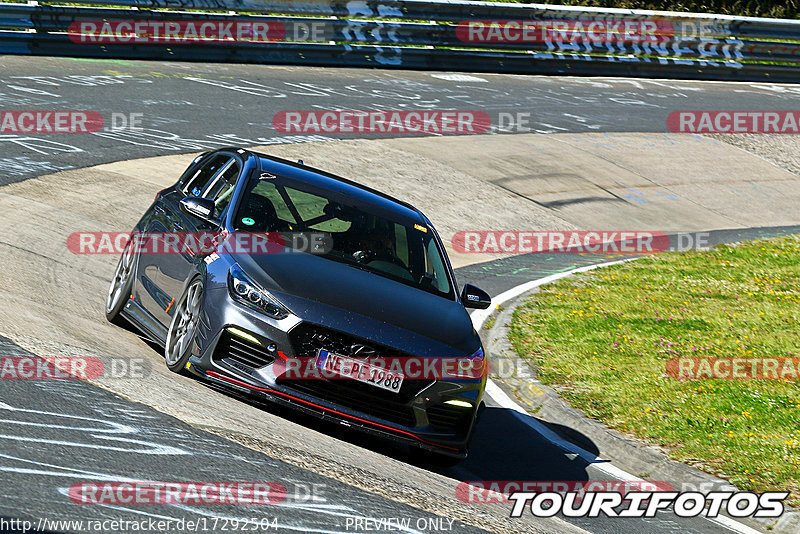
x,y
473,366
245,291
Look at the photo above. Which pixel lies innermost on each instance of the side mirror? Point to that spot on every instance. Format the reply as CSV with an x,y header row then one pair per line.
x,y
475,297
202,208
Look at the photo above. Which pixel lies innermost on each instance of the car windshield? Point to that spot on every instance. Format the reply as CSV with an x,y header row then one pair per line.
x,y
357,234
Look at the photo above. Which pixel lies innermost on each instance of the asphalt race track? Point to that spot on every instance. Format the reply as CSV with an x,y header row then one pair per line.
x,y
170,428
188,107
62,433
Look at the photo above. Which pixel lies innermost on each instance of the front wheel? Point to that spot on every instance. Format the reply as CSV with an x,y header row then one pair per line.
x,y
183,327
121,285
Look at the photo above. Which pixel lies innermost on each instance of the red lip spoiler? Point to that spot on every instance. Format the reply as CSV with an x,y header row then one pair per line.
x,y
274,392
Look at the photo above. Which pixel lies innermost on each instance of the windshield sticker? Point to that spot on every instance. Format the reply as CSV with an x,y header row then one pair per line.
x,y
421,228
248,221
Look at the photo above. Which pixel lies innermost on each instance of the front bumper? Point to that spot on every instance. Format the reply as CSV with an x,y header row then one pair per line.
x,y
416,416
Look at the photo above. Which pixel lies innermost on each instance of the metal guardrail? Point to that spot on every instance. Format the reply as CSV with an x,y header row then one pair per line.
x,y
419,34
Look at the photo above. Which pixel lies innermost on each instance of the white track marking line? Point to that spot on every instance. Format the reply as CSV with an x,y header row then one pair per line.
x,y
501,398
479,317
456,77
732,524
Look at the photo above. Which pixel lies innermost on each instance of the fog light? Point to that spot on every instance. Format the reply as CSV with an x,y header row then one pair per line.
x,y
459,403
244,335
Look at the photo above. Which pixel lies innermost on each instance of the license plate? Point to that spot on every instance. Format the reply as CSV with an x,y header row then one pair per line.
x,y
359,370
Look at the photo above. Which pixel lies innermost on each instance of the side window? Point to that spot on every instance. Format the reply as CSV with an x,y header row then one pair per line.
x,y
221,190
192,169
195,184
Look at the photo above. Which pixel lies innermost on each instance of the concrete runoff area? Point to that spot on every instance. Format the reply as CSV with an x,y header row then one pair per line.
x,y
51,301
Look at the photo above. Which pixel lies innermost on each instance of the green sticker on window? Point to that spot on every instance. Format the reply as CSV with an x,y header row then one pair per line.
x,y
248,221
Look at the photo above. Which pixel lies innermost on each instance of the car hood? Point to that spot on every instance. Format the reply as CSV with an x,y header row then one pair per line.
x,y
364,304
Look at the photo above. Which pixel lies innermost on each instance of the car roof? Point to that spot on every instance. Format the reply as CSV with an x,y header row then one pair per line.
x,y
337,184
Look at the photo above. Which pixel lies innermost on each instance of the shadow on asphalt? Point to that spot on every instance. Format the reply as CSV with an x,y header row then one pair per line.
x,y
505,448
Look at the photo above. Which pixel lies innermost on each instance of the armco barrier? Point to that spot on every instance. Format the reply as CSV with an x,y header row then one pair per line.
x,y
420,34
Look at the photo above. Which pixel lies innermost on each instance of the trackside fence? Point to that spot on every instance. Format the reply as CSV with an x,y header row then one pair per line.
x,y
413,34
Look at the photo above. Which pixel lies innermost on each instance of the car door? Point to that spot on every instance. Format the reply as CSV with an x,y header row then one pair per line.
x,y
162,272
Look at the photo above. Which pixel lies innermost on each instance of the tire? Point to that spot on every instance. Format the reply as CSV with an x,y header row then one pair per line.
x,y
121,286
183,327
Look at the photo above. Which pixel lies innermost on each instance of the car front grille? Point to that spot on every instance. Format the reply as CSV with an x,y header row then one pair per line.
x,y
307,339
448,417
232,349
345,396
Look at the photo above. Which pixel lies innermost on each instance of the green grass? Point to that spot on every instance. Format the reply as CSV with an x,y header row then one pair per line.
x,y
603,339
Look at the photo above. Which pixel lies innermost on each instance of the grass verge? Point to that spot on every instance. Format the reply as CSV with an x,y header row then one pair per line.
x,y
603,339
